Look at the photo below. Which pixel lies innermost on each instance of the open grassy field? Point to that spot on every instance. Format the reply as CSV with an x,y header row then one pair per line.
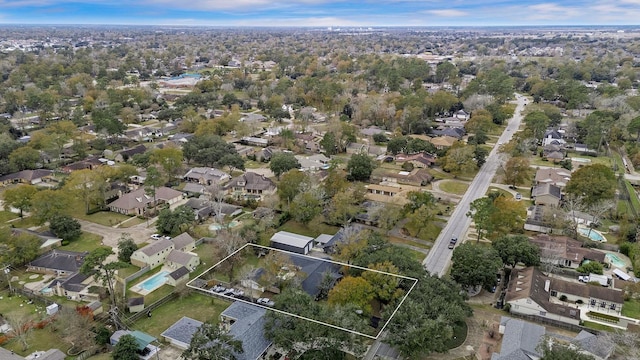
x,y
313,229
631,308
453,186
86,242
195,305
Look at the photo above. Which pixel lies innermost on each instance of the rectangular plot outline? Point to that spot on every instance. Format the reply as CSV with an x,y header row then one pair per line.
x,y
415,282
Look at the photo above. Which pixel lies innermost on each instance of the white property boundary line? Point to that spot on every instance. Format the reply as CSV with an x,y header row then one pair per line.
x,y
415,282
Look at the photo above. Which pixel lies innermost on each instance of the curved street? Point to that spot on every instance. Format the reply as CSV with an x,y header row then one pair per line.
x,y
439,257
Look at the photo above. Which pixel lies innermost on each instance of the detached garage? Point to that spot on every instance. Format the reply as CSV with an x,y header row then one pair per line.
x,y
291,242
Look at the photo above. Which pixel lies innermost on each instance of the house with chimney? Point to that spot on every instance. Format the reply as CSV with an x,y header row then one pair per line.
x,y
135,202
250,185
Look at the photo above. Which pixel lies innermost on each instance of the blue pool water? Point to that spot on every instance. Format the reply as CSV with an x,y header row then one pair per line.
x,y
615,260
216,227
154,282
195,76
594,235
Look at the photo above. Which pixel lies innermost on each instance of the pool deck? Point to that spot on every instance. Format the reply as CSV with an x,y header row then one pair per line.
x,y
137,288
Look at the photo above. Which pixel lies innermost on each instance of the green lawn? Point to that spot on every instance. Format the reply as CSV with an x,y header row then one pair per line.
x,y
454,187
397,240
502,191
598,326
459,335
25,223
313,229
106,218
195,305
40,340
6,216
133,222
129,270
429,232
87,242
631,308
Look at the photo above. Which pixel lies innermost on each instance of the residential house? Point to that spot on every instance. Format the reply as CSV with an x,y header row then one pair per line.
x,y
180,333
48,240
415,177
313,162
520,340
251,185
454,132
58,262
554,156
135,202
125,155
331,245
546,194
462,115
184,242
552,137
254,141
313,272
146,350
357,148
201,207
193,189
597,346
180,138
443,142
376,150
206,176
372,130
291,242
309,142
245,322
252,280
153,254
420,160
32,177
565,251
389,191
532,293
177,259
51,354
88,163
554,176
74,287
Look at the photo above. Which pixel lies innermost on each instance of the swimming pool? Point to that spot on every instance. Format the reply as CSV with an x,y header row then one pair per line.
x,y
186,75
592,234
615,260
154,282
216,227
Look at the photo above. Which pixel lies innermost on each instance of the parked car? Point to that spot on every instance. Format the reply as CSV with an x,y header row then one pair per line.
x,y
218,288
237,292
265,302
518,196
584,279
229,291
156,236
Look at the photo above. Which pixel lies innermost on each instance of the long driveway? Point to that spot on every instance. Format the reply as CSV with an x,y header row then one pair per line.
x,y
438,258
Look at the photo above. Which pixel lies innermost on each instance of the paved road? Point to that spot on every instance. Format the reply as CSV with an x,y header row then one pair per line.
x,y
438,258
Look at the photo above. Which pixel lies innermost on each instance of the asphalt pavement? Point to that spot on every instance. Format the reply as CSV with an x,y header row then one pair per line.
x,y
437,261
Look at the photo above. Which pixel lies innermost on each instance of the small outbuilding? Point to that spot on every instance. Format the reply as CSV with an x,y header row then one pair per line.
x,y
291,242
180,333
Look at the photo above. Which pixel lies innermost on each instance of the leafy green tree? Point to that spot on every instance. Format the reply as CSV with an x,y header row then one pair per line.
x,y
385,287
537,122
210,342
306,206
592,267
343,206
209,150
329,143
95,264
49,203
283,162
18,249
593,184
515,249
397,145
24,158
634,127
19,197
353,290
474,264
126,348
175,222
169,159
86,185
126,247
291,184
480,211
360,167
480,155
459,159
417,199
517,171
65,227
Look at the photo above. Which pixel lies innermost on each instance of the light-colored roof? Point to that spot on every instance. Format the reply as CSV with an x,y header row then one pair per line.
x,y
182,240
138,198
323,238
156,247
291,239
520,338
180,257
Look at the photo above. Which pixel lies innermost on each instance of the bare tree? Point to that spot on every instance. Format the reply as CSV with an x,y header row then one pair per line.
x,y
550,259
75,328
216,199
21,329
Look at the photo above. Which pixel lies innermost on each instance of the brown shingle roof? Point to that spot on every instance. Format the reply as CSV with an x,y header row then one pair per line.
x,y
253,181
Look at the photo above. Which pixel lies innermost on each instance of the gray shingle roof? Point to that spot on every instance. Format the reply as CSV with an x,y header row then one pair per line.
x,y
520,340
594,344
180,257
248,328
182,240
179,273
68,261
156,247
182,330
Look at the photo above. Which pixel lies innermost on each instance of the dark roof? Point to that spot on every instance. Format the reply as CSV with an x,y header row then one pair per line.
x,y
73,282
315,270
248,328
588,291
135,301
520,338
61,260
547,189
182,330
252,181
28,175
179,273
140,149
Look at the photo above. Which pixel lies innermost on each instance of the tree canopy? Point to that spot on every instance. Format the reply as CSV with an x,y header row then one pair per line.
x,y
210,342
593,184
282,162
474,264
360,167
515,249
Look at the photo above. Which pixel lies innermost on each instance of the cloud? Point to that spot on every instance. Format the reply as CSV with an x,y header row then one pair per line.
x,y
551,11
447,12
239,5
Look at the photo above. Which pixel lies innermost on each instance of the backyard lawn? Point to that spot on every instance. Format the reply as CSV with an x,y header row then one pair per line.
x,y
195,305
631,308
86,242
313,229
6,216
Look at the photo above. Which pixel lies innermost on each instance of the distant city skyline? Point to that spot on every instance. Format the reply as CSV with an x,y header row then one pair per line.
x,y
321,13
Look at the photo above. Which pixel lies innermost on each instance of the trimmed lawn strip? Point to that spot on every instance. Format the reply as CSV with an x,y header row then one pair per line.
x,y
313,229
631,308
106,218
195,305
454,187
397,240
598,326
6,216
86,242
132,222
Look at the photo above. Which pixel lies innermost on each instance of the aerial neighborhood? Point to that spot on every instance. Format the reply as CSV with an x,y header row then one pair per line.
x,y
327,194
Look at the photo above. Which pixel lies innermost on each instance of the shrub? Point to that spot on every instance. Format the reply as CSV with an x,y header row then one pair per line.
x,y
563,297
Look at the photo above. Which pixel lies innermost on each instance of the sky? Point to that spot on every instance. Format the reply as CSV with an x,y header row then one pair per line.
x,y
322,13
